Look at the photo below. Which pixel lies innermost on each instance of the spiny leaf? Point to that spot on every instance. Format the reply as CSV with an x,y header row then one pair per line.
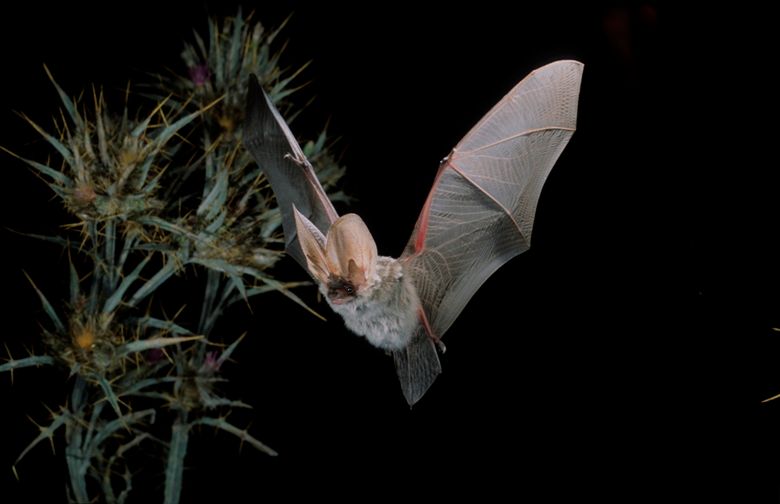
x,y
217,265
278,30
215,200
281,287
144,173
238,283
33,360
313,148
74,282
273,222
108,488
53,239
216,54
165,325
132,443
218,222
143,125
109,240
47,307
263,289
280,90
156,247
46,433
140,385
113,301
129,243
123,422
221,402
243,435
764,401
170,227
70,107
171,129
212,307
229,350
64,151
200,43
100,127
109,394
55,175
148,344
94,424
235,43
153,283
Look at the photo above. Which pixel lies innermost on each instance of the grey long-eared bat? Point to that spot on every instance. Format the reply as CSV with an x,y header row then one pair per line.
x,y
478,215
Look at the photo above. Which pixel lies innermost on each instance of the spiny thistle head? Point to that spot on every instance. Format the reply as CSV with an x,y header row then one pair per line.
x,y
99,339
111,165
157,194
92,340
220,66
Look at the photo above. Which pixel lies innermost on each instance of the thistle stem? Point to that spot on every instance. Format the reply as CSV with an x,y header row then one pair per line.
x,y
77,461
177,450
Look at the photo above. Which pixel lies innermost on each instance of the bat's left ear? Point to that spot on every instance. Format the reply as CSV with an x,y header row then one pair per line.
x,y
350,250
313,244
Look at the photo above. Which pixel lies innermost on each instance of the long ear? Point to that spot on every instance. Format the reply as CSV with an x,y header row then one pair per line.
x,y
350,249
313,245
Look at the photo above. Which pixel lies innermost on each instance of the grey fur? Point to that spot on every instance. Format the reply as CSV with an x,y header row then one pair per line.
x,y
385,311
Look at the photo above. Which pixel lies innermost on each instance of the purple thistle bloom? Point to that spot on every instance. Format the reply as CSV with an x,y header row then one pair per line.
x,y
200,74
154,355
211,363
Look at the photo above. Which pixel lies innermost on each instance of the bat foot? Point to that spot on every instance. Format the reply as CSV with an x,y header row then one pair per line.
x,y
439,343
429,331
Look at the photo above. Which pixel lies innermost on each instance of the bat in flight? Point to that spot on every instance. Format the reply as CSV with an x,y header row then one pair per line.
x,y
478,215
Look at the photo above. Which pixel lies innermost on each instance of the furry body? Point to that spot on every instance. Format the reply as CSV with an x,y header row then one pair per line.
x,y
385,310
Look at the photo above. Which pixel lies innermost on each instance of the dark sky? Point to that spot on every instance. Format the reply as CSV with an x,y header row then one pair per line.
x,y
590,367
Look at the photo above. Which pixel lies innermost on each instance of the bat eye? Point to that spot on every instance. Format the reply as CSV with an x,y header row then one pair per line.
x,y
340,289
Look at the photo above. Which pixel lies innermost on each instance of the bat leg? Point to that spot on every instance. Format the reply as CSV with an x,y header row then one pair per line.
x,y
424,319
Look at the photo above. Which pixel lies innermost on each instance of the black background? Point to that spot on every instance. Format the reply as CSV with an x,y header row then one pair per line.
x,y
606,363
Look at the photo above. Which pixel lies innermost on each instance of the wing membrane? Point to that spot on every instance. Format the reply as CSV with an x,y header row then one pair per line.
x,y
290,174
480,211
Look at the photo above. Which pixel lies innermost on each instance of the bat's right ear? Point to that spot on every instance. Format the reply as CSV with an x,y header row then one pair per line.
x,y
350,250
313,244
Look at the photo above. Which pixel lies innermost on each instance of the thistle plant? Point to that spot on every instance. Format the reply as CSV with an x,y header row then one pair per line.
x,y
156,197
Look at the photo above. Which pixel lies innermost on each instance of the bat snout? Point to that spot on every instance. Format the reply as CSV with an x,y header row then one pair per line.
x,y
340,291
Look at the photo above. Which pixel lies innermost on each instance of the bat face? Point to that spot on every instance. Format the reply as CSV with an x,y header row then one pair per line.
x,y
373,294
340,290
344,261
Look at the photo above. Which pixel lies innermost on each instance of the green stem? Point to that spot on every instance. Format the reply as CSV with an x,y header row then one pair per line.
x,y
213,281
77,460
109,236
177,450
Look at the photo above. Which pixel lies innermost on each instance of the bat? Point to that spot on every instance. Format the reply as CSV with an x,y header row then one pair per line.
x,y
478,215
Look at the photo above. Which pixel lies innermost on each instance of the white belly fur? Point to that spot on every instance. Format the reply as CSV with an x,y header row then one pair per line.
x,y
386,310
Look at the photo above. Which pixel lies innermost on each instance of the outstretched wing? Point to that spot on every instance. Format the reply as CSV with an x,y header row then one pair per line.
x,y
290,174
480,211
